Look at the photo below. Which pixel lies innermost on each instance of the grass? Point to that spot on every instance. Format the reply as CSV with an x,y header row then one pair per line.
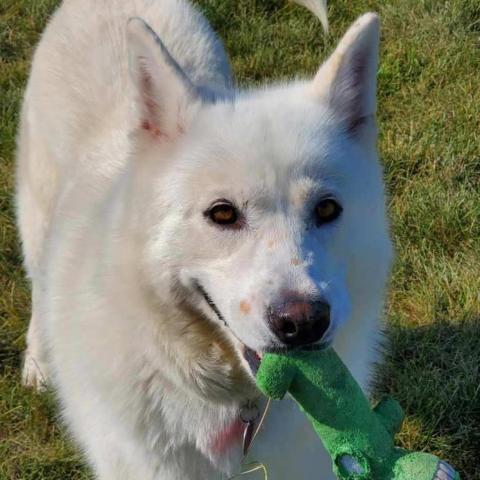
x,y
429,99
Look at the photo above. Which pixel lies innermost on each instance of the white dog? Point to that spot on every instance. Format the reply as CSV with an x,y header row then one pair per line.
x,y
174,227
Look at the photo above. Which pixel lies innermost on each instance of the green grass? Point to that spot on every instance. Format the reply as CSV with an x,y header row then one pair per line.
x,y
429,98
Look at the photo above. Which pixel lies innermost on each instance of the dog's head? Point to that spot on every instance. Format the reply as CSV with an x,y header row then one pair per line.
x,y
265,209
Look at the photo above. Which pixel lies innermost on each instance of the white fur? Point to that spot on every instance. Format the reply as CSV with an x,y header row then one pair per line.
x,y
125,141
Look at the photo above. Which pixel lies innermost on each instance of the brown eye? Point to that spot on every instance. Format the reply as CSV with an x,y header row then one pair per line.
x,y
223,214
326,211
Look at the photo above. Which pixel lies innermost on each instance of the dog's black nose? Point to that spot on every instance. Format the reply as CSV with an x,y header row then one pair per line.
x,y
299,322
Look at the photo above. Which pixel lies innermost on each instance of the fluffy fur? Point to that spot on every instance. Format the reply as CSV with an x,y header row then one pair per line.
x,y
126,139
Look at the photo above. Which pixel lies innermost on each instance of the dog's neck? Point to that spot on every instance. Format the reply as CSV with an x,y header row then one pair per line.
x,y
197,385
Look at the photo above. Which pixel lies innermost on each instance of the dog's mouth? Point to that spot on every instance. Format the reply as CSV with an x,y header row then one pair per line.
x,y
252,357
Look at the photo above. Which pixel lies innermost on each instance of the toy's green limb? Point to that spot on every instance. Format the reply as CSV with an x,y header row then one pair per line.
x,y
275,375
391,414
423,466
359,440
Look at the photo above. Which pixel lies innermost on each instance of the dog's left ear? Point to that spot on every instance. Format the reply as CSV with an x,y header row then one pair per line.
x,y
166,99
348,79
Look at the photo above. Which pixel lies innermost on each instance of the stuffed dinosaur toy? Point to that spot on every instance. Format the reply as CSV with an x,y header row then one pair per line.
x,y
358,438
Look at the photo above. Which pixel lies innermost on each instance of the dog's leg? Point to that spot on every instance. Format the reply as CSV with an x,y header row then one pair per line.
x,y
35,372
36,196
113,467
118,458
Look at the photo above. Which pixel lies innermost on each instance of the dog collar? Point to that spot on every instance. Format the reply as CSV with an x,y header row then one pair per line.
x,y
249,414
244,428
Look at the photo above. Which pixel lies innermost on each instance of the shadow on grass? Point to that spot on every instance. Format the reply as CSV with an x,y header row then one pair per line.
x,y
434,372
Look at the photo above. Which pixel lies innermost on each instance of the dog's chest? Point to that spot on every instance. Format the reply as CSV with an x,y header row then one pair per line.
x,y
286,444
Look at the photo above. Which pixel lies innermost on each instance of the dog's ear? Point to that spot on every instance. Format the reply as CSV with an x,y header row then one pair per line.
x,y
165,96
348,79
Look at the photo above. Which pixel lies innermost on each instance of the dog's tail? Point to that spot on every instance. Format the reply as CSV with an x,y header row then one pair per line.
x,y
317,7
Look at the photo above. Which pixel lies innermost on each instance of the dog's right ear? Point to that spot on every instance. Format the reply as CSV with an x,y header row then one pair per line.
x,y
165,97
347,80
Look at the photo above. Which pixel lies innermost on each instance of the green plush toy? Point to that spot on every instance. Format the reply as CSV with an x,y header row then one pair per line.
x,y
358,438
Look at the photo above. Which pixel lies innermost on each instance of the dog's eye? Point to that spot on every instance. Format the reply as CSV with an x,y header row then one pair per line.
x,y
223,214
326,211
